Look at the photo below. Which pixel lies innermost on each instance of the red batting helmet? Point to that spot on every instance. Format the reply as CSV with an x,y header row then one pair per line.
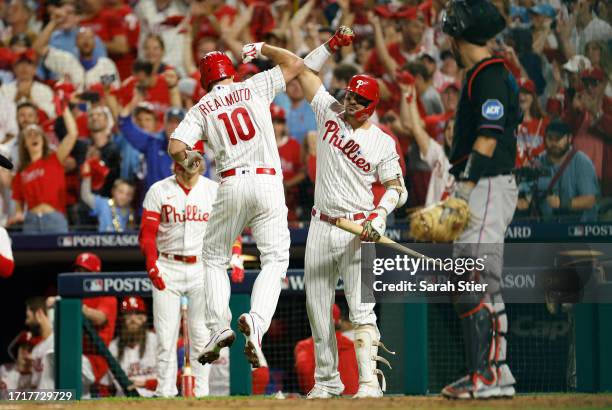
x,y
133,304
215,66
89,261
366,87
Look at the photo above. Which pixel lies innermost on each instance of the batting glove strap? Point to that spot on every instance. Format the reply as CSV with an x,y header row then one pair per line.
x,y
251,51
374,227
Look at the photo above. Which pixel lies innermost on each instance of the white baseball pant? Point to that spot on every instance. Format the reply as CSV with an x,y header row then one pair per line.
x,y
180,279
257,201
332,253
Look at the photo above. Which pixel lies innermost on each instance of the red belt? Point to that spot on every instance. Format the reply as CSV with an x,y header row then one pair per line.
x,y
265,171
332,220
181,258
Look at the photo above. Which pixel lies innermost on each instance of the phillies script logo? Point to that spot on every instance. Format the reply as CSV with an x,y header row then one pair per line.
x,y
192,213
350,148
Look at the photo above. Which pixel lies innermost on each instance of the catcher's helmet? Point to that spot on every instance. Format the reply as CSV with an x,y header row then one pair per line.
x,y
133,304
366,87
88,261
215,66
475,21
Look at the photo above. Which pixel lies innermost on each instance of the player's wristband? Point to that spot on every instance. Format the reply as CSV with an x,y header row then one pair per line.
x,y
389,200
476,166
317,58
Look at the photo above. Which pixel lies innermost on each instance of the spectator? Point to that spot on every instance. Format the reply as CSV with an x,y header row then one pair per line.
x,y
17,375
18,19
62,30
143,137
131,26
115,213
544,39
448,72
25,87
154,50
37,320
108,24
40,183
530,133
566,80
347,362
428,95
437,124
102,146
591,122
102,313
135,347
435,155
568,190
586,26
289,150
160,90
152,16
300,117
341,75
597,52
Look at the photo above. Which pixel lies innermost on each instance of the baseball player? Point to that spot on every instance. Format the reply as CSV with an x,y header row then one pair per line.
x,y
234,120
41,327
352,153
175,218
483,154
135,347
18,374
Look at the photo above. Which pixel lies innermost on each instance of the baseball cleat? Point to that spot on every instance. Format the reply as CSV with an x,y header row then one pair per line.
x,y
318,393
471,387
220,339
252,334
506,392
366,392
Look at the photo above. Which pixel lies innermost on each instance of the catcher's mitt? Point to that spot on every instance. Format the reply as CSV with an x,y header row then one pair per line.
x,y
441,222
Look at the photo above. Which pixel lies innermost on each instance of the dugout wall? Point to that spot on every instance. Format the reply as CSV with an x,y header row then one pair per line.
x,y
426,338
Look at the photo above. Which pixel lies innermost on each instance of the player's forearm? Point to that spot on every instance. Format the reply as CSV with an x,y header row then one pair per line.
x,y
177,150
86,195
582,202
394,197
148,236
97,317
290,64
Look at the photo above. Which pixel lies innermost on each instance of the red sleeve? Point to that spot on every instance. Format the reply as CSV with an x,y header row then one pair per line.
x,y
115,25
108,306
305,364
260,378
151,384
6,267
16,185
148,234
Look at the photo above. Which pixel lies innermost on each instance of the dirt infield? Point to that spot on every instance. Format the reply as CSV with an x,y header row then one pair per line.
x,y
525,402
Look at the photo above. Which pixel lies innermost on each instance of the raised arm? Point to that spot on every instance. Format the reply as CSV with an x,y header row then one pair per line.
x,y
382,53
86,195
314,61
290,64
64,148
230,34
411,120
296,24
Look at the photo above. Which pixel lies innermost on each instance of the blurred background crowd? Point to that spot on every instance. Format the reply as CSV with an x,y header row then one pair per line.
x,y
91,90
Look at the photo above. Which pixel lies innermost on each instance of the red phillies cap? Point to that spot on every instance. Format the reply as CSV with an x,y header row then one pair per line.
x,y
450,84
89,261
527,84
278,113
409,13
133,304
26,55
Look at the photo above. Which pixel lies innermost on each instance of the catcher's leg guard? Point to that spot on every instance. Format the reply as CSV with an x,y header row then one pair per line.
x,y
478,322
367,341
505,378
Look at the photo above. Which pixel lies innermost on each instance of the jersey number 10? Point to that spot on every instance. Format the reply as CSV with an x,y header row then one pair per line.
x,y
234,126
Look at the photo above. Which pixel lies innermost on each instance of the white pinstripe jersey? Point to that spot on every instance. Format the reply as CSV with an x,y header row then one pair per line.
x,y
235,122
183,216
135,367
349,161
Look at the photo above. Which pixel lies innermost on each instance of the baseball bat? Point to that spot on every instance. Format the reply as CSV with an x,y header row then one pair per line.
x,y
356,229
188,379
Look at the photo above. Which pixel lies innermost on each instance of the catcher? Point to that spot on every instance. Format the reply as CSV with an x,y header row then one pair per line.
x,y
483,152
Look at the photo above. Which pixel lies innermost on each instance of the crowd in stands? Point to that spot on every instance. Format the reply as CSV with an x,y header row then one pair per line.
x,y
91,91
